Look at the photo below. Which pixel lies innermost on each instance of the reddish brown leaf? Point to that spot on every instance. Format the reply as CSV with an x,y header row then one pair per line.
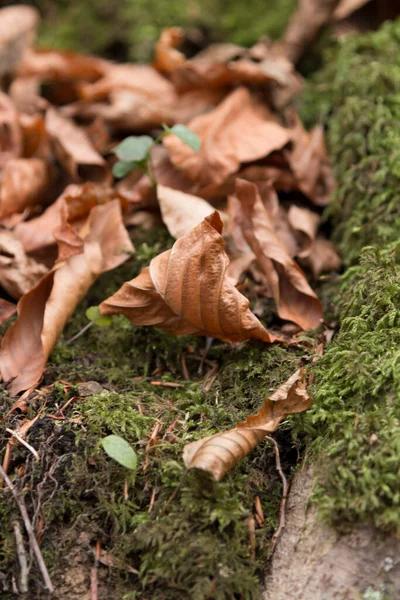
x,y
219,453
43,312
186,290
294,298
58,65
239,130
74,150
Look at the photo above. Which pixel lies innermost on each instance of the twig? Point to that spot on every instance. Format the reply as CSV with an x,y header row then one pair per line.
x,y
93,583
24,443
23,563
251,524
81,332
282,518
168,384
28,526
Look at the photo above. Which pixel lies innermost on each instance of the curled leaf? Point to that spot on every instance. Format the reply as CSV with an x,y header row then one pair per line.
x,y
43,312
186,290
295,300
18,272
219,453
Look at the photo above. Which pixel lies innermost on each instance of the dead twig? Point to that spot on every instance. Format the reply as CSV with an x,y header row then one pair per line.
x,y
81,332
29,529
251,524
285,490
23,562
24,443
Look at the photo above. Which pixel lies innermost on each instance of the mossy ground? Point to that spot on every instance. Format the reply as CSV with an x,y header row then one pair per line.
x,y
199,546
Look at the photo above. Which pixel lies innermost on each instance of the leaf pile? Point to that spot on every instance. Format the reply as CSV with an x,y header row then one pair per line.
x,y
230,141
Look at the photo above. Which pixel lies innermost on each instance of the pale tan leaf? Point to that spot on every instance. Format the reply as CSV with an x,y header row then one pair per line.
x,y
10,131
219,453
180,212
322,258
24,182
305,223
186,290
18,25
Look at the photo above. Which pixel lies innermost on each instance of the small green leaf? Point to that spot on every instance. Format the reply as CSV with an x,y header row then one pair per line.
x,y
187,136
134,148
93,314
119,449
122,168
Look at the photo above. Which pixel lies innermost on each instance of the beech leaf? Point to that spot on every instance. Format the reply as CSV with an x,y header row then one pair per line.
x,y
119,449
219,453
186,290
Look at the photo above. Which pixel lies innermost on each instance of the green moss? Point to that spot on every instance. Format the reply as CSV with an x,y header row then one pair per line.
x,y
354,424
129,28
357,96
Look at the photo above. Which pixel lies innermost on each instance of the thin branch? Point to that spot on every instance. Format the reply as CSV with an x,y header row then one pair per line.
x,y
285,490
28,526
23,562
24,443
81,332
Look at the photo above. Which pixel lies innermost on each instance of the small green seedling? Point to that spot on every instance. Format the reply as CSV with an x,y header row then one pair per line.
x,y
119,449
95,316
134,151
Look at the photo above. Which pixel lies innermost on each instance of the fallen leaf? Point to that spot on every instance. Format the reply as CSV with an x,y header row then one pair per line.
x,y
305,224
18,25
74,150
59,65
185,290
36,142
18,272
310,163
25,93
239,130
219,453
24,182
10,131
38,233
322,258
43,312
346,7
294,298
180,212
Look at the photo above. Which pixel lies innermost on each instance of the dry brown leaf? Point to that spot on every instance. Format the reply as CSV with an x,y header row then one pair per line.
x,y
186,290
18,272
295,300
24,182
310,162
80,199
25,93
43,312
220,65
59,65
323,257
305,223
35,139
74,150
180,212
219,453
239,130
10,131
18,25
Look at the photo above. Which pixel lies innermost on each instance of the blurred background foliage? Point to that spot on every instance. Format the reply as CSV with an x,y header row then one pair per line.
x,y
127,29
